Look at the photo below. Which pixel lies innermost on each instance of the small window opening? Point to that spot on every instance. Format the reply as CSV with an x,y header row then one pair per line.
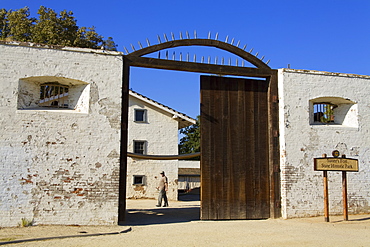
x,y
138,179
324,112
54,95
139,147
140,115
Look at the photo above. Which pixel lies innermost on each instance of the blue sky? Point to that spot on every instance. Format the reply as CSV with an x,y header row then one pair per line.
x,y
315,35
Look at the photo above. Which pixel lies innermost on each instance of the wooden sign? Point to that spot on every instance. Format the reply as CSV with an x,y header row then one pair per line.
x,y
336,164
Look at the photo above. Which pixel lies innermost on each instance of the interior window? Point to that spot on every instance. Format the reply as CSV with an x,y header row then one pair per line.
x,y
53,95
324,112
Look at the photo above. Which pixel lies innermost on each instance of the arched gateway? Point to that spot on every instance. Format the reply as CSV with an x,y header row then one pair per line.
x,y
239,132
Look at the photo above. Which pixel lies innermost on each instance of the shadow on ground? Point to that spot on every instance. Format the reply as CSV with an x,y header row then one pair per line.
x,y
168,215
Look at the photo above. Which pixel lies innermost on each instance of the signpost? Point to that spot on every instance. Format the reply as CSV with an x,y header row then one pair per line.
x,y
335,164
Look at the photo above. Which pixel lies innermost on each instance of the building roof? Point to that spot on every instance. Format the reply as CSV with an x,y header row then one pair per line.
x,y
316,72
181,118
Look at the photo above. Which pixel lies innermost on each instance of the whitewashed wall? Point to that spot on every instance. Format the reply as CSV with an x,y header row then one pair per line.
x,y
161,134
189,164
60,166
301,142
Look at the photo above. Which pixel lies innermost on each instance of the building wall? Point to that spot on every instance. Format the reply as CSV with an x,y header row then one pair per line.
x,y
59,166
301,142
161,134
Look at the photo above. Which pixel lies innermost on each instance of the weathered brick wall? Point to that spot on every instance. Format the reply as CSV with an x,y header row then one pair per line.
x,y
161,134
301,142
60,166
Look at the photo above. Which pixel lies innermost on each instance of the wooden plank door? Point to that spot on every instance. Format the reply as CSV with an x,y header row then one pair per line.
x,y
234,149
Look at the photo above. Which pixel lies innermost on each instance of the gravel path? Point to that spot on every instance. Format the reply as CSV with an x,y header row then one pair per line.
x,y
179,225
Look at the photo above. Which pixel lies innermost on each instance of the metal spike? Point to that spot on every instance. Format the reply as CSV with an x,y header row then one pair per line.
x,y
227,38
237,62
165,37
209,35
268,61
256,54
229,61
167,55
216,60
250,51
187,35
172,36
232,41
195,58
244,47
126,50
141,46
209,59
242,63
159,55
202,59
132,47
180,35
147,41
263,57
237,44
216,37
159,39
222,61
181,56
187,57
173,56
195,34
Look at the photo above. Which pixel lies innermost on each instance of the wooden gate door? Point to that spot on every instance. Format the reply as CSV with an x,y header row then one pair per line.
x,y
234,149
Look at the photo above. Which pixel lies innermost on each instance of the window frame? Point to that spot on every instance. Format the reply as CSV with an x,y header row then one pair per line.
x,y
142,177
144,146
144,111
343,110
29,93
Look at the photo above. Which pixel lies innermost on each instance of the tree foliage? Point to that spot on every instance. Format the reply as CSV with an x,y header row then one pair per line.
x,y
190,142
50,28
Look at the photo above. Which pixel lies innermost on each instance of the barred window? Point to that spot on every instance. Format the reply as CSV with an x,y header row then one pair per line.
x,y
324,112
54,95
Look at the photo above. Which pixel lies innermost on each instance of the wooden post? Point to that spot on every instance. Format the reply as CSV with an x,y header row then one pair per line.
x,y
344,194
326,197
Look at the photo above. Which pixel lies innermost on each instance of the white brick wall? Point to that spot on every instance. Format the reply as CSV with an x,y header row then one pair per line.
x,y
60,167
300,143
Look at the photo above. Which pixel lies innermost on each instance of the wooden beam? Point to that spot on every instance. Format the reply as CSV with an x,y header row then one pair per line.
x,y
198,67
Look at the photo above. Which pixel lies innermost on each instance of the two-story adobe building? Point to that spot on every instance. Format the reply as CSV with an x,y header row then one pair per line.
x,y
152,130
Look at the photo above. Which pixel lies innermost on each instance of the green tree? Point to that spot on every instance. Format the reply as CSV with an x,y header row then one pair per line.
x,y
190,142
50,28
4,28
19,25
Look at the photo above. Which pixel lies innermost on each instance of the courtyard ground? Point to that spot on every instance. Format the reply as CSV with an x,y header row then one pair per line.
x,y
179,225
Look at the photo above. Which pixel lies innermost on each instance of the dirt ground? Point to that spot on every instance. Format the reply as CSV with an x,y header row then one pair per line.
x,y
179,225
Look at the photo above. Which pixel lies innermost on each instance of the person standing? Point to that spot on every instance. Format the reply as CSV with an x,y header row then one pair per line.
x,y
162,187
